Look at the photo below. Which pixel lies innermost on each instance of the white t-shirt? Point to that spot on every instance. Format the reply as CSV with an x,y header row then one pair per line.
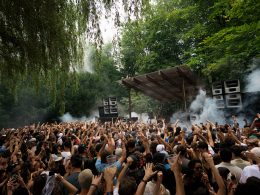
x,y
66,156
249,171
235,170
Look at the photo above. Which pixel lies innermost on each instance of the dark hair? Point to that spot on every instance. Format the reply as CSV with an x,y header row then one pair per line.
x,y
39,183
153,146
181,149
223,171
252,187
228,142
159,158
20,190
225,155
76,161
67,144
236,150
104,155
98,147
127,186
135,162
81,148
192,163
130,143
202,145
178,130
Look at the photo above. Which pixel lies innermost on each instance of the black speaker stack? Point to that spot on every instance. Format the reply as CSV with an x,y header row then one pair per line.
x,y
109,108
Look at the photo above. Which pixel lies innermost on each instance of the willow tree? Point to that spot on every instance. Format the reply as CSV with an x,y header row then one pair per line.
x,y
44,39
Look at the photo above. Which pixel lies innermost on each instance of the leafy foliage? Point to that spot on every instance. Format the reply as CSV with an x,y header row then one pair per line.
x,y
218,39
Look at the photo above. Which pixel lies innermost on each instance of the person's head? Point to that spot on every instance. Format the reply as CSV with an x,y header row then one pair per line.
x,y
67,145
224,172
128,186
226,155
20,190
104,155
85,179
153,146
196,167
82,149
178,130
202,146
159,158
130,144
182,149
4,160
252,187
229,142
76,161
236,150
39,183
256,152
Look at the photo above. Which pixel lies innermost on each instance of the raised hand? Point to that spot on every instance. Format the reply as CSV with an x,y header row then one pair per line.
x,y
149,171
129,160
96,179
176,166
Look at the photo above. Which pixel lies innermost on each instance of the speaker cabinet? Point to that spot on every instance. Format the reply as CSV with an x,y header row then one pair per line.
x,y
232,86
113,109
217,88
219,101
112,101
233,100
105,102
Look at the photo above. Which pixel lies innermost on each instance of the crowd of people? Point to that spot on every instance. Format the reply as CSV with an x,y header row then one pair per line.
x,y
131,158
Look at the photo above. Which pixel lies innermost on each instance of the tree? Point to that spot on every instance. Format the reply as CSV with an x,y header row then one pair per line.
x,y
44,39
218,39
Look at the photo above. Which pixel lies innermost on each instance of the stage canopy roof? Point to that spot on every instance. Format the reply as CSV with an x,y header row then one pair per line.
x,y
177,83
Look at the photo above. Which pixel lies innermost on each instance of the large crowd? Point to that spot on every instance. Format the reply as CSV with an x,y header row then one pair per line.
x,y
131,158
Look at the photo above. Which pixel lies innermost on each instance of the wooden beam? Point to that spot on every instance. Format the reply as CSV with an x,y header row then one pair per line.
x,y
165,77
184,75
154,89
167,90
145,92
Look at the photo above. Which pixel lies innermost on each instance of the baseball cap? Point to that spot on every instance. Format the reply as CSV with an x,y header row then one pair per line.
x,y
160,148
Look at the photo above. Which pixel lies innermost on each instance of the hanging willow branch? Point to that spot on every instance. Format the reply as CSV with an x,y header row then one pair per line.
x,y
44,39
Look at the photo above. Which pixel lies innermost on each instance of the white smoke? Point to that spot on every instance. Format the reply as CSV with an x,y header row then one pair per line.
x,y
253,81
143,117
87,64
183,119
205,108
68,118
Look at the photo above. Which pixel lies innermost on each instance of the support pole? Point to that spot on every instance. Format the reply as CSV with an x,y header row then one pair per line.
x,y
129,104
184,95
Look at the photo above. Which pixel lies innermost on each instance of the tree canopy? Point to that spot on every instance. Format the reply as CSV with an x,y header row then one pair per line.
x,y
44,39
42,44
217,38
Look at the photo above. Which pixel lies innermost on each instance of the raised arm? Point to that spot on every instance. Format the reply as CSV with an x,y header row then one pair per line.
x,y
71,188
176,168
123,171
221,186
148,174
